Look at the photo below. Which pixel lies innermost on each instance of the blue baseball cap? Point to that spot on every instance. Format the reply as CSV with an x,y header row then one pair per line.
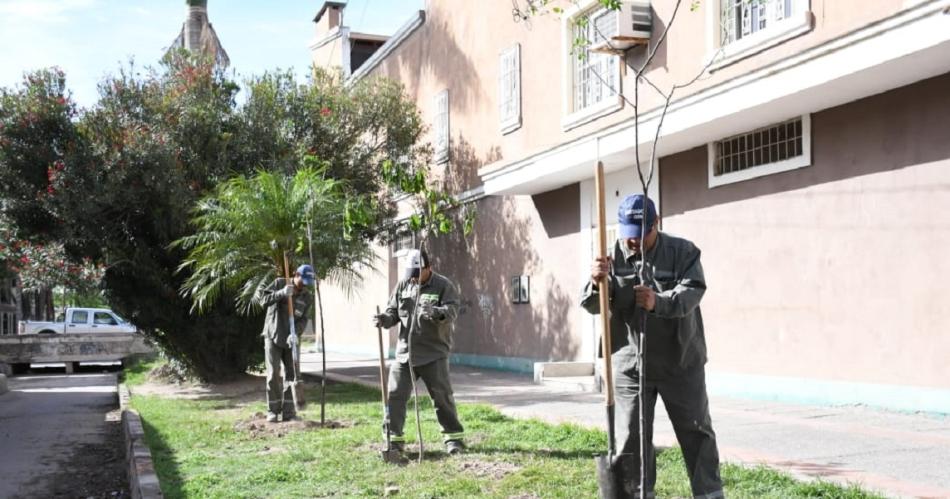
x,y
306,274
630,215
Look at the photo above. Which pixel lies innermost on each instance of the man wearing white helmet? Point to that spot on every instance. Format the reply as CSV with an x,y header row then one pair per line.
x,y
430,319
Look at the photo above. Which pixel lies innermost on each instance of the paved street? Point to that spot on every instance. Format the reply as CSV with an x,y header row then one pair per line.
x,y
60,437
901,455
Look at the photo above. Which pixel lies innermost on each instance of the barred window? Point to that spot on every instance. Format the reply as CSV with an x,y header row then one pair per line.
x,y
759,147
404,241
771,149
741,18
595,74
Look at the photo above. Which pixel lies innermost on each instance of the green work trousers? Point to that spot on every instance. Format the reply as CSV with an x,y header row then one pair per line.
x,y
436,376
687,405
280,394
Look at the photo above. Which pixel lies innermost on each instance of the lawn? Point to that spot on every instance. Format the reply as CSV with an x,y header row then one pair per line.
x,y
204,449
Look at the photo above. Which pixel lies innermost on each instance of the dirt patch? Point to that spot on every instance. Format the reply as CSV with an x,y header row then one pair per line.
x,y
258,426
244,389
93,471
166,373
496,470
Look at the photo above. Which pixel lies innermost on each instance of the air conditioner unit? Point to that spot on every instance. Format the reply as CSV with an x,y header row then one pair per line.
x,y
619,30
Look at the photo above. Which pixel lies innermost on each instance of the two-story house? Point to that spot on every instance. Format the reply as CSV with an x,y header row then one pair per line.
x,y
810,161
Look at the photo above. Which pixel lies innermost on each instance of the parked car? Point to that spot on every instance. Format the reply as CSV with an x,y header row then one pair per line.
x,y
81,320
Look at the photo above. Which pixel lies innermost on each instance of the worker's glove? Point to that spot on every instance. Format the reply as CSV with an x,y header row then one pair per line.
x,y
292,340
430,312
289,290
380,320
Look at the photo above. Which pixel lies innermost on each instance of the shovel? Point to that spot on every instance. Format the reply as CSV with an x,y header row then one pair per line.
x,y
389,455
293,342
609,469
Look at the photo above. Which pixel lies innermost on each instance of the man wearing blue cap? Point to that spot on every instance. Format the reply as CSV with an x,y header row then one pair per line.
x,y
277,350
666,308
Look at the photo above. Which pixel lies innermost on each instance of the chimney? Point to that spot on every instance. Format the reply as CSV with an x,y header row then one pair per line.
x,y
196,17
197,35
329,17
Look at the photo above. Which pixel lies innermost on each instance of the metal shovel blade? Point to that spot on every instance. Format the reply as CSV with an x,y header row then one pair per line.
x,y
391,456
609,481
610,477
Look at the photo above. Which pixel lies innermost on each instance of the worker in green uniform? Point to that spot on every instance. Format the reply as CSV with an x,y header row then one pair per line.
x,y
433,316
277,350
667,306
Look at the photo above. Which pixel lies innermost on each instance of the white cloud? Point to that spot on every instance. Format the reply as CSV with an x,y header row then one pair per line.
x,y
18,11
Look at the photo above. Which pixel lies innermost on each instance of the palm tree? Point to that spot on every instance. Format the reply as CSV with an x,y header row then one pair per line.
x,y
244,229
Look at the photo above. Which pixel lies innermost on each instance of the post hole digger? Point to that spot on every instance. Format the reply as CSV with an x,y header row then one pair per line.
x,y
389,454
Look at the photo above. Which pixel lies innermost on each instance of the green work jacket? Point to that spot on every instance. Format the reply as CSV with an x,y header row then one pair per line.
x,y
432,337
675,340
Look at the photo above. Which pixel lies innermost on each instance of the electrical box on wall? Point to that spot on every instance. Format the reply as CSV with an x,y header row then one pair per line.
x,y
520,289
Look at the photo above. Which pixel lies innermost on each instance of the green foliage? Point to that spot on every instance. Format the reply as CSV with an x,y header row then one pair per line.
x,y
117,184
247,225
38,143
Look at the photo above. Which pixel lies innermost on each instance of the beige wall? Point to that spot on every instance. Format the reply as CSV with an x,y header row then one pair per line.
x,y
459,45
330,55
518,235
816,322
348,314
837,270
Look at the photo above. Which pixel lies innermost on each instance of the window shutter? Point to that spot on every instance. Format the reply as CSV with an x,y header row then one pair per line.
x,y
509,88
442,126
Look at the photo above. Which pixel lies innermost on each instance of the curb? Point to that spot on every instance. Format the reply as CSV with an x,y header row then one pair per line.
x,y
143,481
342,378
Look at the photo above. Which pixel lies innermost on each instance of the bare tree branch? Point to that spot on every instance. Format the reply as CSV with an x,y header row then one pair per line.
x,y
661,39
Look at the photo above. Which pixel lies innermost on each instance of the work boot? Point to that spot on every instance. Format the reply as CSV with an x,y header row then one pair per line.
x,y
290,417
398,446
271,417
453,447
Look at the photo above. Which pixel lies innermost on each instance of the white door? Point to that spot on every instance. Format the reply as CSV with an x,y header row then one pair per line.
x,y
104,322
78,322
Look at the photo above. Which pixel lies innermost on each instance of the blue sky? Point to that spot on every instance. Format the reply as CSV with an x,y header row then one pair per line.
x,y
91,38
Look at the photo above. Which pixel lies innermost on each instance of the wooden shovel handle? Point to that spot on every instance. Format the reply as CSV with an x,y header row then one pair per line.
x,y
290,299
382,364
603,285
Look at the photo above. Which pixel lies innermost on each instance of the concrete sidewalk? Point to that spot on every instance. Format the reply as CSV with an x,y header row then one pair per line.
x,y
900,455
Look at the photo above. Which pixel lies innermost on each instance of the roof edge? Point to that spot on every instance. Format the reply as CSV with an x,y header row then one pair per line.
x,y
394,41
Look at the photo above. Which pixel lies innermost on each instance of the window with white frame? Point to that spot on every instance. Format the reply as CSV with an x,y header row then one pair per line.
x,y
749,26
509,88
405,240
441,126
741,18
772,149
595,77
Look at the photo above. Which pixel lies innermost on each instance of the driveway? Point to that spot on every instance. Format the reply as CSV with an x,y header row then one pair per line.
x,y
60,437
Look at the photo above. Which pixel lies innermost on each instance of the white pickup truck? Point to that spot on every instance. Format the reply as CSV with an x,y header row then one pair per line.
x,y
81,320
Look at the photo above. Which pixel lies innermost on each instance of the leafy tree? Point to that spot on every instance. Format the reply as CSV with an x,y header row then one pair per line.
x,y
117,182
244,229
38,139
